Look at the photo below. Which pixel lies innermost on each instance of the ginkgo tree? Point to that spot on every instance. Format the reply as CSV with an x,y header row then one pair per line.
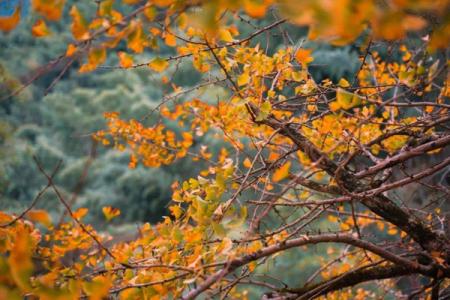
x,y
305,161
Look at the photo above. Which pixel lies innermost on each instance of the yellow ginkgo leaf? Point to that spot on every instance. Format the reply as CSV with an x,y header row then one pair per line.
x,y
125,60
40,216
343,83
8,23
40,29
332,218
71,49
264,111
247,163
105,8
136,39
334,106
80,213
303,56
110,212
150,13
255,8
176,211
158,64
4,218
282,172
392,231
20,263
243,79
170,40
225,35
131,2
50,9
79,25
98,288
96,57
346,99
438,257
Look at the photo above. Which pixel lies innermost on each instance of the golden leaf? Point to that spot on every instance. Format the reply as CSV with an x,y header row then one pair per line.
x,y
343,83
125,59
347,100
247,163
255,8
136,39
110,212
225,35
98,288
50,9
96,57
303,56
150,13
392,231
40,216
170,40
8,23
40,29
264,111
158,64
80,213
79,26
19,260
71,49
243,79
105,8
282,172
176,211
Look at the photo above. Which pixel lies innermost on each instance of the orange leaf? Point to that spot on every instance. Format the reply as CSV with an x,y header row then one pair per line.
x,y
255,8
71,49
247,163
392,231
80,213
243,79
50,9
98,288
125,59
8,23
303,56
136,39
40,216
225,35
282,172
170,40
438,257
40,29
96,57
343,83
79,25
20,263
187,142
332,218
105,8
4,218
158,64
110,212
150,13
176,211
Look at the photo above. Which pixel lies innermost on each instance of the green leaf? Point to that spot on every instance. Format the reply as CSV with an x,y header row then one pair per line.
x,y
346,99
264,111
219,230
